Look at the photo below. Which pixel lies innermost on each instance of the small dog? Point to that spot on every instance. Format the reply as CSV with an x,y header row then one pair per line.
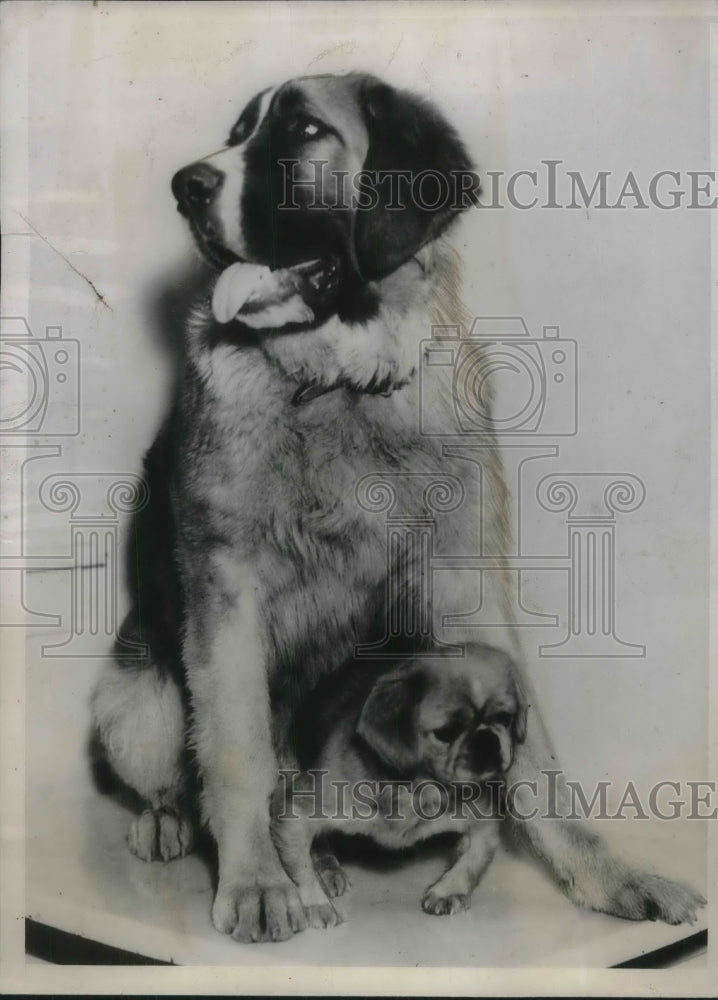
x,y
433,725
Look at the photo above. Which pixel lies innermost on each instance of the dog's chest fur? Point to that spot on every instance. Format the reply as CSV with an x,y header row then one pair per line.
x,y
273,485
268,472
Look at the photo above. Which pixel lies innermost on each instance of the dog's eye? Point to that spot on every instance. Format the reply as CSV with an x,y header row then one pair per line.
x,y
447,733
502,719
305,127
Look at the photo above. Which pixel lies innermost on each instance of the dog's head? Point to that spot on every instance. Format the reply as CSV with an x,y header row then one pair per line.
x,y
310,171
453,720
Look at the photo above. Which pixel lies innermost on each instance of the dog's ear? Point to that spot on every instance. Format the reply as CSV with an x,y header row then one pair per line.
x,y
521,716
387,722
406,133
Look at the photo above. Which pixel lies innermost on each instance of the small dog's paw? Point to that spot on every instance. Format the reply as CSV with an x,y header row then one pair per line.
x,y
252,913
335,881
319,910
439,904
644,896
333,877
160,835
322,915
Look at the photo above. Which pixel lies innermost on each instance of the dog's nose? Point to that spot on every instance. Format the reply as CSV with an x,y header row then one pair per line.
x,y
196,186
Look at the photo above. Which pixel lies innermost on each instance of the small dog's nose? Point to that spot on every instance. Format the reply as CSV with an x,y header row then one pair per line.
x,y
196,186
485,749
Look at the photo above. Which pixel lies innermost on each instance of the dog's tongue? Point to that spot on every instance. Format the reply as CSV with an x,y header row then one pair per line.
x,y
262,298
234,287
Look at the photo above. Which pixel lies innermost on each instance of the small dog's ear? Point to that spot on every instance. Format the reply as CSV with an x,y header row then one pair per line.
x,y
520,724
387,720
408,134
521,716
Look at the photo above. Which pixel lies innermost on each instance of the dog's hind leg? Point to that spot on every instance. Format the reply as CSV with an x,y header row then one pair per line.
x,y
139,721
578,859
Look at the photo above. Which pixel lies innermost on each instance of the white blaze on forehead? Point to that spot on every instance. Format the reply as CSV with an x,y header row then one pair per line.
x,y
479,692
493,685
231,163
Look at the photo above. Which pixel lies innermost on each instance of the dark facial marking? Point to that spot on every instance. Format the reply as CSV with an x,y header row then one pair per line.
x,y
450,731
298,121
247,121
501,719
282,237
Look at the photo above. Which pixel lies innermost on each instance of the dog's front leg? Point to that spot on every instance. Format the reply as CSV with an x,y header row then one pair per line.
x,y
225,654
293,831
452,892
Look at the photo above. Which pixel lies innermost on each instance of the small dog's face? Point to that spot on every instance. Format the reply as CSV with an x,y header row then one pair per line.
x,y
452,720
278,192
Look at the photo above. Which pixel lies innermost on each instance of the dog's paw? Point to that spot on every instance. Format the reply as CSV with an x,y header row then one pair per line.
x,y
319,910
613,888
253,912
335,881
333,877
644,896
440,904
322,915
160,835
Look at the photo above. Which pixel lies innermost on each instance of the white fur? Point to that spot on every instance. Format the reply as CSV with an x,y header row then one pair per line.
x,y
139,718
231,162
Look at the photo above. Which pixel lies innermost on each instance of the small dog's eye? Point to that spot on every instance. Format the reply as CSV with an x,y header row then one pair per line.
x,y
447,733
503,719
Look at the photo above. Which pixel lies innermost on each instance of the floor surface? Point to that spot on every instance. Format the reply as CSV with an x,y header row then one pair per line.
x,y
82,878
